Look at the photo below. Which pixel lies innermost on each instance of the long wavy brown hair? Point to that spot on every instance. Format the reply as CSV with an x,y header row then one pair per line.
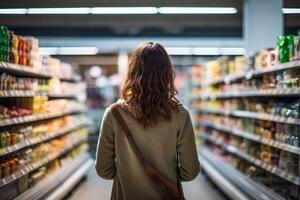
x,y
149,87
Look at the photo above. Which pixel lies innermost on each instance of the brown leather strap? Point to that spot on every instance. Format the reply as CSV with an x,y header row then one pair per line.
x,y
171,190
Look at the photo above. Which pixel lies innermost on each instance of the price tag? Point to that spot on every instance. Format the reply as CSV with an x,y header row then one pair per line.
x,y
9,149
249,75
36,165
22,172
28,142
9,179
269,168
18,173
3,151
291,120
283,174
257,162
289,177
7,121
275,118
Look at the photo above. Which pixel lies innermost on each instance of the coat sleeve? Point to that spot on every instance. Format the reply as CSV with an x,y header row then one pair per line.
x,y
189,165
105,156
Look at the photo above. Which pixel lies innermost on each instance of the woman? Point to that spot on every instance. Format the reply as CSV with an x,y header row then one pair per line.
x,y
160,126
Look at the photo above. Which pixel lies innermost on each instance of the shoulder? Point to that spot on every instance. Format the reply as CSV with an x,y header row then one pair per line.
x,y
183,109
120,105
182,112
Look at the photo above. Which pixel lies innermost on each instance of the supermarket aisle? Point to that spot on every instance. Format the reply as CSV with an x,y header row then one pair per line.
x,y
97,188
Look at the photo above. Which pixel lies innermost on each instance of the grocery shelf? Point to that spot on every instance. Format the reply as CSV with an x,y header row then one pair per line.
x,y
37,140
275,68
226,79
31,167
37,117
70,183
251,159
20,93
233,183
21,70
70,174
254,73
253,137
62,96
224,184
289,92
252,115
75,79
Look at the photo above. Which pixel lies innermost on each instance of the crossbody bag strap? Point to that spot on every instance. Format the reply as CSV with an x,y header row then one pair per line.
x,y
163,182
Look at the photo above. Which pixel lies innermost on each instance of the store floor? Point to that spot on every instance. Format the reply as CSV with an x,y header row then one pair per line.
x,y
96,188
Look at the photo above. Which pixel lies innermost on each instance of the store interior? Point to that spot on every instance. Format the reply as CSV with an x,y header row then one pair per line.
x,y
237,65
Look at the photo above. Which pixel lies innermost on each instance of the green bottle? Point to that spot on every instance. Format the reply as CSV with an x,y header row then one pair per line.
x,y
283,48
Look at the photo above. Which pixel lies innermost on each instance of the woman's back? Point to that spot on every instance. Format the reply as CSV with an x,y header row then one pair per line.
x,y
159,145
160,126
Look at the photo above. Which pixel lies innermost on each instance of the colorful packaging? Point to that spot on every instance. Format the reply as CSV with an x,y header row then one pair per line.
x,y
290,39
283,48
296,47
4,44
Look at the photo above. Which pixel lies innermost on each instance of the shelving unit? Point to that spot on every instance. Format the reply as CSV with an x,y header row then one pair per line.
x,y
70,174
39,163
7,93
38,117
294,92
252,115
253,73
66,174
30,72
232,182
253,137
257,162
37,140
209,123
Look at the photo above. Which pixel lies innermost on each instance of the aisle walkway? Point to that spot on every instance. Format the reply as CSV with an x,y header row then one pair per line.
x,y
99,189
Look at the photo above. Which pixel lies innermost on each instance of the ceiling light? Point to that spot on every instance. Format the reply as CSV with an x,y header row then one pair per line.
x,y
48,50
124,10
127,10
13,11
68,50
79,10
206,51
291,10
179,50
197,10
78,50
232,51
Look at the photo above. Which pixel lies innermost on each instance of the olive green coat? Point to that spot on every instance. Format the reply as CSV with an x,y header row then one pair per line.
x,y
160,144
